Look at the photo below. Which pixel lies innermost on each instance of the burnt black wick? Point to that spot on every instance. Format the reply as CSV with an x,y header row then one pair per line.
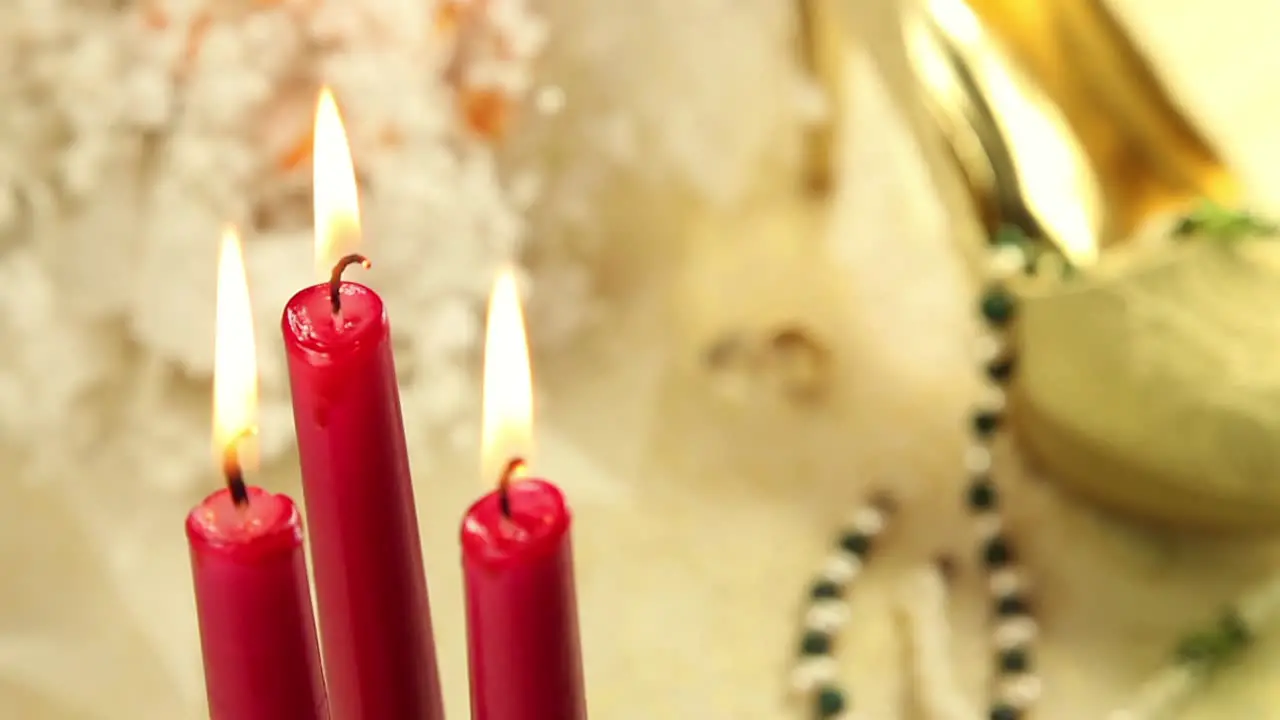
x,y
514,469
233,471
335,278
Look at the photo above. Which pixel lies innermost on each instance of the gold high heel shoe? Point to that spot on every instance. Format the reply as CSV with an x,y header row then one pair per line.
x,y
1042,109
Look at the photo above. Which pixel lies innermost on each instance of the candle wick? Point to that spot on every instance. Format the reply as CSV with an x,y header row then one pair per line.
x,y
233,471
504,500
335,278
234,474
513,471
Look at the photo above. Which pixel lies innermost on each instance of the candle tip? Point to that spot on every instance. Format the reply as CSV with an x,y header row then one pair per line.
x,y
514,470
233,471
504,501
335,278
236,485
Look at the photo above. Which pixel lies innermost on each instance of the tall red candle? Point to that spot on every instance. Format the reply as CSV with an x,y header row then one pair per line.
x,y
517,554
375,620
257,630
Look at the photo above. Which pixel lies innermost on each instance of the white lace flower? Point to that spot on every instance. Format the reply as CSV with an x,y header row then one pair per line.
x,y
45,369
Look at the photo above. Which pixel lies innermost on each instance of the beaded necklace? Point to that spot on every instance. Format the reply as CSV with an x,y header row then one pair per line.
x,y
1013,625
1015,686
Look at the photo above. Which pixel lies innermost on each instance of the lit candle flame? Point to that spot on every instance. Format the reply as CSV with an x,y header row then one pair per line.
x,y
235,360
507,412
337,202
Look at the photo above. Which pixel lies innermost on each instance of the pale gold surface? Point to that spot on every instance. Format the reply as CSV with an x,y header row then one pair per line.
x,y
822,45
700,520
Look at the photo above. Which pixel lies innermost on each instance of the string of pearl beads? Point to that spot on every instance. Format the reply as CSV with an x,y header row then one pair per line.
x,y
815,675
1016,686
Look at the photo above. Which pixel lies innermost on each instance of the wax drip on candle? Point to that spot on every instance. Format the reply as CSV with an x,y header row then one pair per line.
x,y
513,471
335,279
233,471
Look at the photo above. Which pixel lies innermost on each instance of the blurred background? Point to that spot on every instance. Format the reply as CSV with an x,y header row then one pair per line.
x,y
751,236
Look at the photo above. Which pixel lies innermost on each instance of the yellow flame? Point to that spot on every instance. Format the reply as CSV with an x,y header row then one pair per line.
x,y
336,200
235,360
507,415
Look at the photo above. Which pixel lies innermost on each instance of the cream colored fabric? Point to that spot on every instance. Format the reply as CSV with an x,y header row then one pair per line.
x,y
700,518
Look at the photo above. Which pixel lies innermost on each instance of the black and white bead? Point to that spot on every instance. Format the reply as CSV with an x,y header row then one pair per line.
x,y
815,676
1016,685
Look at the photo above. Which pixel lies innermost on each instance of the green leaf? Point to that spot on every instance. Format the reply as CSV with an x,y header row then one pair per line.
x,y
1222,223
1215,646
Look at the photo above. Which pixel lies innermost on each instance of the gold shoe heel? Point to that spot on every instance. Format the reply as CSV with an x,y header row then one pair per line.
x,y
1044,110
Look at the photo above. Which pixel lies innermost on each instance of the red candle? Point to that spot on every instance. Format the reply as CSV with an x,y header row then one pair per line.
x,y
517,554
257,630
375,620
